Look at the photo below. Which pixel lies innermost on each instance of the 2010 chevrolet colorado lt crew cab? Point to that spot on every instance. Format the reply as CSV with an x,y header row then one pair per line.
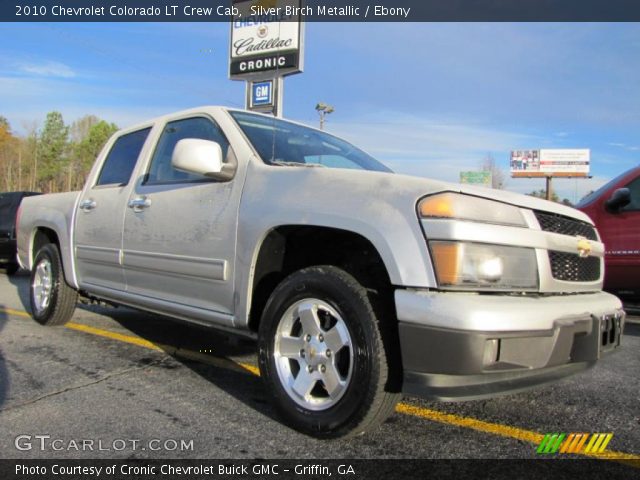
x,y
358,283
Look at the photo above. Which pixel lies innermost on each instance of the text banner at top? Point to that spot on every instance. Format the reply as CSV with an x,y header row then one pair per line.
x,y
323,10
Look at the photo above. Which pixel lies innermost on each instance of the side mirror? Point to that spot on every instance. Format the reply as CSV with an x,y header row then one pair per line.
x,y
620,199
202,157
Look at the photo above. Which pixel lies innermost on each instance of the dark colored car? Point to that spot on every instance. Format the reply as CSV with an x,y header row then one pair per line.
x,y
9,203
615,209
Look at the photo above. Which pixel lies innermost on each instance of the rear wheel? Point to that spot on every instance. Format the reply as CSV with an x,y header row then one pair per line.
x,y
52,300
322,354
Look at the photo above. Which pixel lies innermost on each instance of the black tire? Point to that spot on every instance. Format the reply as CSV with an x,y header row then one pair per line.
x,y
374,387
62,298
11,268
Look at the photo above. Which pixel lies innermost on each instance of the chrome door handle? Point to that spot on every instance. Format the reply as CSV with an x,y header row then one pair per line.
x,y
87,205
140,203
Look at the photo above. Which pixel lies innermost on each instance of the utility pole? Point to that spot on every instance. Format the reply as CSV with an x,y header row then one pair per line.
x,y
323,109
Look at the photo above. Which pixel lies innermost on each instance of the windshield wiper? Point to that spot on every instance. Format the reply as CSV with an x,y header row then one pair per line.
x,y
295,164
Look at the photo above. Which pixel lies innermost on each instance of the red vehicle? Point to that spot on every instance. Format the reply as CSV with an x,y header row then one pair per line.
x,y
615,209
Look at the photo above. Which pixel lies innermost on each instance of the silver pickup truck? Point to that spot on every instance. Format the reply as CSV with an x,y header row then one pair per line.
x,y
359,284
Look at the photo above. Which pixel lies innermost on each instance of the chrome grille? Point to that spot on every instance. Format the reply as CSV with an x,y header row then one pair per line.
x,y
570,267
551,222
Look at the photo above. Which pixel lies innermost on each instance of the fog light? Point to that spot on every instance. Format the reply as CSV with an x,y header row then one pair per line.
x,y
491,351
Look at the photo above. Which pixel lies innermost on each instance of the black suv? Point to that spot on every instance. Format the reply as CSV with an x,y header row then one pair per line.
x,y
9,203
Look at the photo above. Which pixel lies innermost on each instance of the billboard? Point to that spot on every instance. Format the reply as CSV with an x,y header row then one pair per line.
x,y
550,163
266,39
482,178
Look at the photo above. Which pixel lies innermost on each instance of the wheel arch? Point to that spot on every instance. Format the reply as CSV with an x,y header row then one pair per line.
x,y
45,234
287,248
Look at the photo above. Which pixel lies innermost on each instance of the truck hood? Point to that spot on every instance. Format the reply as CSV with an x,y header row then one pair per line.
x,y
526,201
394,184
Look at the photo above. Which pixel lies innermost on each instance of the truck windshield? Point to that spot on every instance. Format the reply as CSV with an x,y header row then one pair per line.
x,y
283,143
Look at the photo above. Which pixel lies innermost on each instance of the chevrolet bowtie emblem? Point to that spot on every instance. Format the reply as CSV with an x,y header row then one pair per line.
x,y
584,247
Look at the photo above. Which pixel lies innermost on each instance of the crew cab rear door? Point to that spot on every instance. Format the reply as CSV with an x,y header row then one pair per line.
x,y
100,215
179,238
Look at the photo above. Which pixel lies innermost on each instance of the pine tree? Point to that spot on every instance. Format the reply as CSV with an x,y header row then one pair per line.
x,y
52,151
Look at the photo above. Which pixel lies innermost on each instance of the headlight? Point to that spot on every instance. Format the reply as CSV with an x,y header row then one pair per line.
x,y
464,265
467,207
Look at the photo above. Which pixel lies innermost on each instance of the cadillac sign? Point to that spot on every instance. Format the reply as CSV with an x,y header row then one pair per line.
x,y
266,39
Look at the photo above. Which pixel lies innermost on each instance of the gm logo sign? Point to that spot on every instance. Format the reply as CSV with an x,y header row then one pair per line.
x,y
262,94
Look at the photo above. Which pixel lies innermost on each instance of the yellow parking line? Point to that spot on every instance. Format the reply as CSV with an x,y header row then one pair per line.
x,y
169,349
17,313
141,342
502,430
402,408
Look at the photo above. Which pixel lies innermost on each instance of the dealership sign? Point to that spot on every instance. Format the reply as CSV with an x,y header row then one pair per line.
x,y
550,163
266,39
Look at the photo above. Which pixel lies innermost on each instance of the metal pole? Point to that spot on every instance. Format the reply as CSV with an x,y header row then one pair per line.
x,y
549,187
278,108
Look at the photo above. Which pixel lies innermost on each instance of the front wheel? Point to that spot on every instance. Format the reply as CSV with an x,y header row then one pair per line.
x,y
322,354
52,300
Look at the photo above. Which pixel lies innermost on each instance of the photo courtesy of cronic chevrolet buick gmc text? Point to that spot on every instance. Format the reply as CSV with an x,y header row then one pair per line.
x,y
615,209
359,284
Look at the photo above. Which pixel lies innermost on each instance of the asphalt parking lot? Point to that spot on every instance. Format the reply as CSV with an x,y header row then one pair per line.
x,y
117,375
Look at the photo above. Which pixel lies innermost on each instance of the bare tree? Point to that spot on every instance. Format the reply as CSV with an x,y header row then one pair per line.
x,y
79,129
498,175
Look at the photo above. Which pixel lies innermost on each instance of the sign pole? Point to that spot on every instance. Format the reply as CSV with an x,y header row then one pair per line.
x,y
266,44
278,109
549,187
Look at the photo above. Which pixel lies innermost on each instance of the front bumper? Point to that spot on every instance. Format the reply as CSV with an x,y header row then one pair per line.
x,y
461,346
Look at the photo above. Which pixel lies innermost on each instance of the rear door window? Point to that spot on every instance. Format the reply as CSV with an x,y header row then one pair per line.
x,y
122,158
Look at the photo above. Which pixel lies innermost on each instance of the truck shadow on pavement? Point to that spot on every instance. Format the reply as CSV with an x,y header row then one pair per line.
x,y
632,330
4,373
226,361
21,281
205,351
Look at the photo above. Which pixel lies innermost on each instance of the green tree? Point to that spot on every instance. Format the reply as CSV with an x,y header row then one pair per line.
x,y
542,194
52,151
86,150
554,197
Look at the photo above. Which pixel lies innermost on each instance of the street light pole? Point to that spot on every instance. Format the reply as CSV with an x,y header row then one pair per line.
x,y
323,109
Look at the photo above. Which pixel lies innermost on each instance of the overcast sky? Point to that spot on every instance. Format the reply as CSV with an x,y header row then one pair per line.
x,y
427,99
